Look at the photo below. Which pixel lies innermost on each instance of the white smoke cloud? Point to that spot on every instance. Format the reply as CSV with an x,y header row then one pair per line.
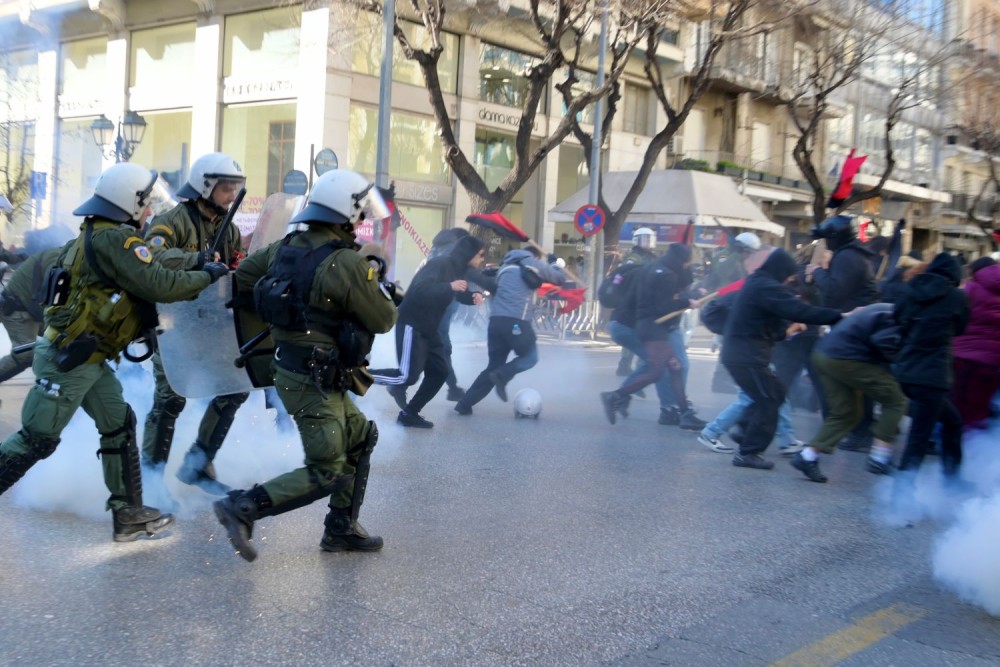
x,y
967,556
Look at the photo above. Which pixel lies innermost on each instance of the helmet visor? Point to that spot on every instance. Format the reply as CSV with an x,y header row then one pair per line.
x,y
371,204
161,199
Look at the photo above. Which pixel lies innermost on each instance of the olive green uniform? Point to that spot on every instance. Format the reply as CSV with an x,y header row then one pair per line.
x,y
333,430
336,436
20,314
176,237
57,394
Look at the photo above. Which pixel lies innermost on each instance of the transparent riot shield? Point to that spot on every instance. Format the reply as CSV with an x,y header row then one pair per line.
x,y
200,340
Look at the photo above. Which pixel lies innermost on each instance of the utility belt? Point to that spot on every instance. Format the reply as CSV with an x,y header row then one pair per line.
x,y
10,304
321,364
81,351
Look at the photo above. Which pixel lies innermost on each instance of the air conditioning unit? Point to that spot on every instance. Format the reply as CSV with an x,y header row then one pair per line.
x,y
676,145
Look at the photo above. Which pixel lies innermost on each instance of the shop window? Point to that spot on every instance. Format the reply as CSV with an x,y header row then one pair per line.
x,y
415,152
280,153
165,145
366,53
82,74
503,76
635,109
246,136
161,65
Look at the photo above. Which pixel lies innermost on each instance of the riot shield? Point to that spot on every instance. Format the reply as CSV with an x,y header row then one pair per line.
x,y
199,340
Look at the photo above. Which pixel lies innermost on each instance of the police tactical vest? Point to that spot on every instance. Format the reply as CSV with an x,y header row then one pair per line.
x,y
281,298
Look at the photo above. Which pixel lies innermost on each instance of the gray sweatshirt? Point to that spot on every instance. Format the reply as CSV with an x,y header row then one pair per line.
x,y
512,295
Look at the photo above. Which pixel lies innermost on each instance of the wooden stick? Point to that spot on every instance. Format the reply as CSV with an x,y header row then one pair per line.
x,y
565,269
697,304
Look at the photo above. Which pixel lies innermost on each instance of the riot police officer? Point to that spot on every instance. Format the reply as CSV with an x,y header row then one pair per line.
x,y
102,290
182,238
325,302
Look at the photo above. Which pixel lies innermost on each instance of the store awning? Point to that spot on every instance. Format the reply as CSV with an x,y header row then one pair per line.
x,y
969,230
675,196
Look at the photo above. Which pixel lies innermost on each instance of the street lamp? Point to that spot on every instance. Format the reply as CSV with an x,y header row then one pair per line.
x,y
119,142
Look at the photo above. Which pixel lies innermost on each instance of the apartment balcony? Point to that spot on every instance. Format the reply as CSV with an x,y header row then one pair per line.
x,y
962,201
739,68
765,172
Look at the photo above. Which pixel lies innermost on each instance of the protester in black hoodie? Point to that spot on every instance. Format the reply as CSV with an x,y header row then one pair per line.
x,y
931,311
660,290
761,314
419,347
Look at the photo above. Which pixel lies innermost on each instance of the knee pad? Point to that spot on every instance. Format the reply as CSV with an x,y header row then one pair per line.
x,y
41,447
126,448
173,406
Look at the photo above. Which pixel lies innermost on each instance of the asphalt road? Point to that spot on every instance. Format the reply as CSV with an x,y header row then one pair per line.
x,y
557,541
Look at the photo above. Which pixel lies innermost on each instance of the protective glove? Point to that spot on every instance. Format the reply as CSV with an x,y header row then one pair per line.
x,y
559,263
215,270
204,257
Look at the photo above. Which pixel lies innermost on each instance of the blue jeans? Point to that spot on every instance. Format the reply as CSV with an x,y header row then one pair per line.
x,y
727,419
627,337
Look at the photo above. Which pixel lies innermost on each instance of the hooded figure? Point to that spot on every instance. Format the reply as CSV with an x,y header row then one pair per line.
x,y
931,310
849,281
977,350
419,346
762,312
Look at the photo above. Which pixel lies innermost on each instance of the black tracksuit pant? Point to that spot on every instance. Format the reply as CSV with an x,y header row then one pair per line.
x,y
761,418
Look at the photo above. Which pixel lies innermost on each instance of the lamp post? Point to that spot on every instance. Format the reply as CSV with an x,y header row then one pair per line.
x,y
119,141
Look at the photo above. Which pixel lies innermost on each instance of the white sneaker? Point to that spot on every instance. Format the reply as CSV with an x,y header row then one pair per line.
x,y
715,444
792,448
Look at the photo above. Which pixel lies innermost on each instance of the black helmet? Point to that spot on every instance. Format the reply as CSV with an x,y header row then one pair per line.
x,y
838,231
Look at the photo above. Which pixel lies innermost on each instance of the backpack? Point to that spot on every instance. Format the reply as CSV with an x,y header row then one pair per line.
x,y
615,286
715,313
529,274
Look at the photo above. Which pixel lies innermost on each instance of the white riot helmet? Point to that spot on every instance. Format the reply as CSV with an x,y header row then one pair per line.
x,y
527,403
341,197
207,171
644,237
121,194
747,241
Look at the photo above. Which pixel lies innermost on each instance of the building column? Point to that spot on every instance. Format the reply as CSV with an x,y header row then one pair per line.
x,y
466,117
115,84
310,111
206,79
45,132
336,91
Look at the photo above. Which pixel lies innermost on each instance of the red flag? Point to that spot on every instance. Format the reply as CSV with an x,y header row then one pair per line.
x,y
732,287
851,167
573,297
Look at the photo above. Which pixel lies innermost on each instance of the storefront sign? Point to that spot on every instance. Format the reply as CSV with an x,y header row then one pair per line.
x,y
251,90
504,117
430,193
75,106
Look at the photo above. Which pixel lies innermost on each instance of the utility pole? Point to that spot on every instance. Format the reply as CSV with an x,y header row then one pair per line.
x,y
595,261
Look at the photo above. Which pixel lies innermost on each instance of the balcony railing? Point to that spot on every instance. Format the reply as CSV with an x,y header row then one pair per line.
x,y
961,201
763,171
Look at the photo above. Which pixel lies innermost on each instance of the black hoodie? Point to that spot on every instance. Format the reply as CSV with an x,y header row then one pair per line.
x,y
763,310
931,310
850,280
430,293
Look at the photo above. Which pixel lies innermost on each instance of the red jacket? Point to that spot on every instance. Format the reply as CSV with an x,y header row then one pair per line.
x,y
981,340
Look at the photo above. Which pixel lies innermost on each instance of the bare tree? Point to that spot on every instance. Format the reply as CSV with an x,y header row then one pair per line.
x,y
16,142
560,30
725,22
983,134
835,41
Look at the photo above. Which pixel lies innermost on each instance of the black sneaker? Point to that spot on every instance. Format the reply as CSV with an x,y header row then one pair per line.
x,y
876,467
463,409
808,468
610,401
755,461
413,419
131,523
689,421
499,385
669,417
398,393
455,393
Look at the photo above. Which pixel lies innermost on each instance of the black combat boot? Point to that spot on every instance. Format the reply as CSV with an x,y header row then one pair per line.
x,y
131,523
198,470
237,512
343,534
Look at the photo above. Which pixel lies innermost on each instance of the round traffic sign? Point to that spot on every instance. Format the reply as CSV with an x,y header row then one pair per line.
x,y
295,183
589,219
326,160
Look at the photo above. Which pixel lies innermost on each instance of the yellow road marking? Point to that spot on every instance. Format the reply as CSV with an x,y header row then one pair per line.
x,y
866,631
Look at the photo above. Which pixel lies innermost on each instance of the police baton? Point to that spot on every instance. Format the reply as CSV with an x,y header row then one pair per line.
x,y
224,227
247,349
27,347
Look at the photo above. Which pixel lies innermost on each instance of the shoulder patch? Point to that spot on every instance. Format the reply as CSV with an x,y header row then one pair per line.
x,y
371,273
157,241
142,252
132,240
162,228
